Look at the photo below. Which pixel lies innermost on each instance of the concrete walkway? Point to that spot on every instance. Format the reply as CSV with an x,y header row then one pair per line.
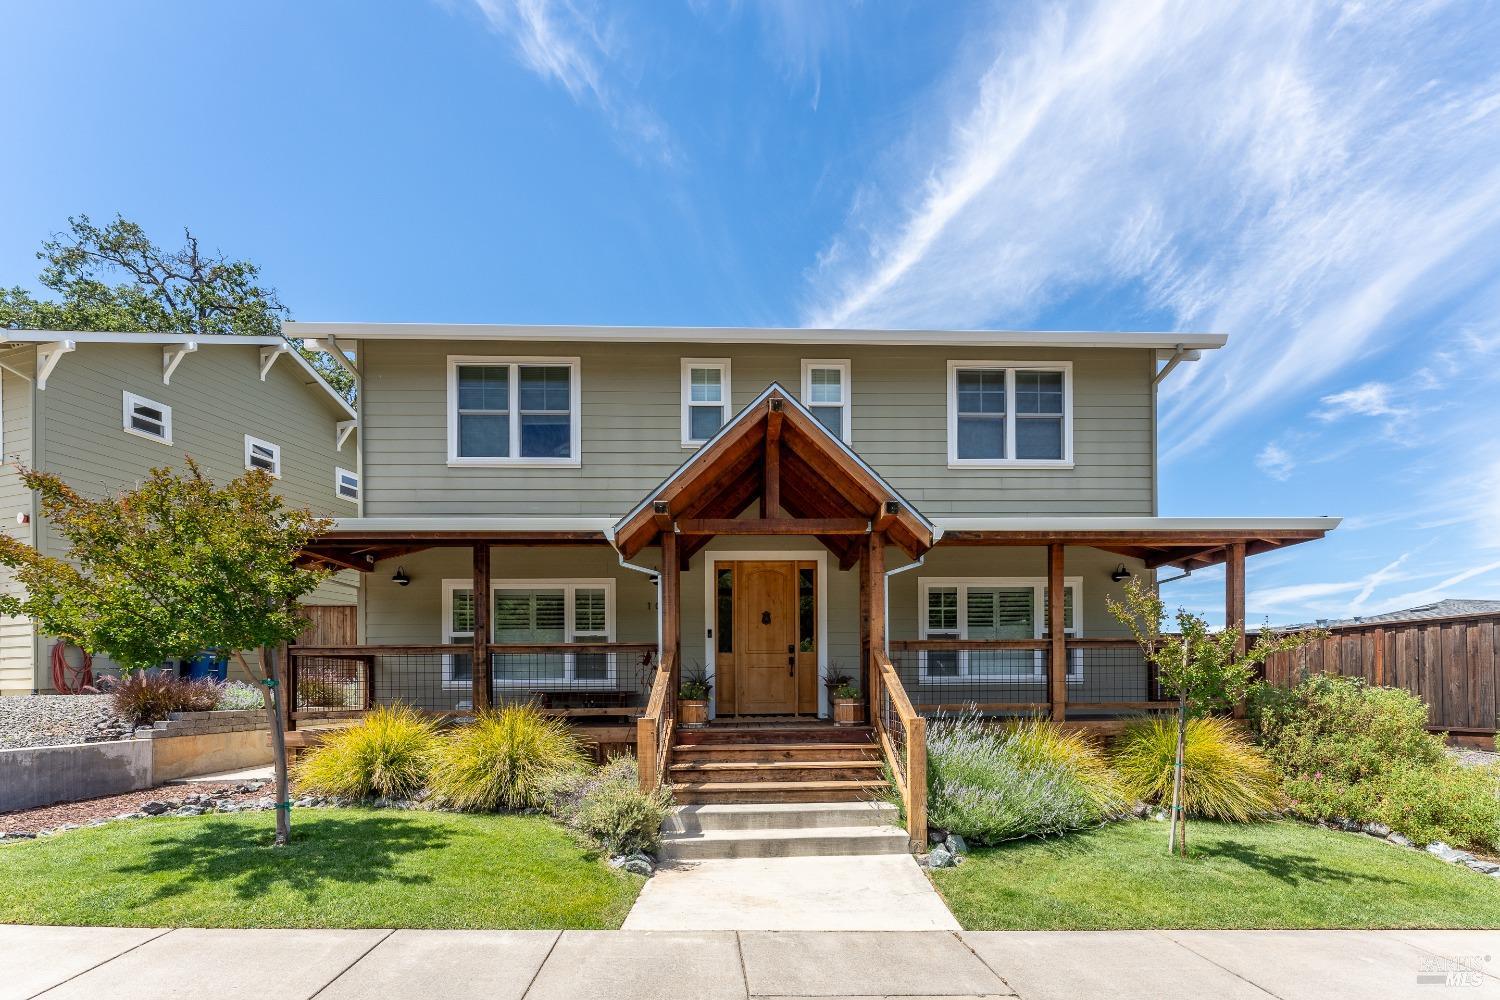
x,y
883,892
121,964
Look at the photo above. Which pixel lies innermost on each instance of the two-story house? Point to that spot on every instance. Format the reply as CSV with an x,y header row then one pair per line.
x,y
590,511
103,409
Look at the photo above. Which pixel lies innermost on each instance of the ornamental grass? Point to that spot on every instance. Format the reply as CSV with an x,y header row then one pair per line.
x,y
389,753
505,759
1224,776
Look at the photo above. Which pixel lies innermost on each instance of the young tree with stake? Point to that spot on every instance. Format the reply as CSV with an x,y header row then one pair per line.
x,y
1202,669
169,569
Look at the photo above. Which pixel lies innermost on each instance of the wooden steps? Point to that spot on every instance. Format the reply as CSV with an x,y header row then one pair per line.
x,y
782,762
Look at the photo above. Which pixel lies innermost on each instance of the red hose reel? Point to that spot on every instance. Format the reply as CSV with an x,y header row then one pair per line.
x,y
66,678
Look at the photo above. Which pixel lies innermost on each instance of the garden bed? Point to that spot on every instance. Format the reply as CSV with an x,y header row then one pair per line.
x,y
344,868
48,720
1238,876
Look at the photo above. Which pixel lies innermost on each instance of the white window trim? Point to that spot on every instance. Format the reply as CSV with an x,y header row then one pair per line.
x,y
846,387
274,449
338,482
570,589
575,413
1010,368
1038,585
130,399
688,364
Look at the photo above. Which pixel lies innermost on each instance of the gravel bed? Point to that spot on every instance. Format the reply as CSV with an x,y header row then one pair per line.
x,y
172,797
1469,757
47,720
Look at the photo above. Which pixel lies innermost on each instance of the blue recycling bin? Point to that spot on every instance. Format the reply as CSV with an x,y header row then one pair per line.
x,y
208,665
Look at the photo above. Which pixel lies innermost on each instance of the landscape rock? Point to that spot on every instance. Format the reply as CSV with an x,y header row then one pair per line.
x,y
936,836
940,857
1400,840
1442,851
956,845
1377,829
54,720
1482,866
1140,810
154,808
636,864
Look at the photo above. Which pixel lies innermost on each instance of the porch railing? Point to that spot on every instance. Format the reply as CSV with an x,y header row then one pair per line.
x,y
576,679
902,732
1014,677
653,730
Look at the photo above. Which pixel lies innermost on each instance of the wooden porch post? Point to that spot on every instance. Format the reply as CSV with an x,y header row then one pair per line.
x,y
1058,685
874,587
669,595
1234,591
480,657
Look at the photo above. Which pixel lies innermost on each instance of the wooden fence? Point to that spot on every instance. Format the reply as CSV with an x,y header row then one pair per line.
x,y
1450,663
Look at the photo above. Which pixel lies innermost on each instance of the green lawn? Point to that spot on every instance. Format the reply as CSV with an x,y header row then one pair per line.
x,y
344,868
1261,875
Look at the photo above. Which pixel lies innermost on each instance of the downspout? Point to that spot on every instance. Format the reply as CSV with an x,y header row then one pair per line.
x,y
886,585
655,576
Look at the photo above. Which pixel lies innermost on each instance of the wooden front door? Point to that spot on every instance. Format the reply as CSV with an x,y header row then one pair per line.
x,y
765,638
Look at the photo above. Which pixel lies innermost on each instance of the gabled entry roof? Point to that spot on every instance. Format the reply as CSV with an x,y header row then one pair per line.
x,y
777,452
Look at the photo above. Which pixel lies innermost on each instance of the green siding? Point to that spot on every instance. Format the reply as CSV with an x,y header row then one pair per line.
x,y
17,638
631,428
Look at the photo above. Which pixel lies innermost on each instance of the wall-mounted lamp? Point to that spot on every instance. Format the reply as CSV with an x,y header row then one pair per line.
x,y
400,578
1120,573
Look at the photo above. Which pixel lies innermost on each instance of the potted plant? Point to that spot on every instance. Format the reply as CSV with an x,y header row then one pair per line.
x,y
848,710
692,696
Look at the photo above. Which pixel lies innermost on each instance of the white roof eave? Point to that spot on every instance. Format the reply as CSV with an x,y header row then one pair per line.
x,y
1136,523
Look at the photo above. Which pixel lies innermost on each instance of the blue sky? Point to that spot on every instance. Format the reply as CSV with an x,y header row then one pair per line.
x,y
1321,182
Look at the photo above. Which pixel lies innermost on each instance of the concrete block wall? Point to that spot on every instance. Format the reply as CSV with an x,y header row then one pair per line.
x,y
204,723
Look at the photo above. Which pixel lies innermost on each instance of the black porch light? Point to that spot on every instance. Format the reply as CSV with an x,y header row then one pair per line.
x,y
399,578
1120,573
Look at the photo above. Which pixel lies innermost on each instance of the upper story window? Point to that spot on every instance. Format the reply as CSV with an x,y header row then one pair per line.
x,y
346,484
991,609
705,398
147,418
262,455
826,392
1007,414
513,411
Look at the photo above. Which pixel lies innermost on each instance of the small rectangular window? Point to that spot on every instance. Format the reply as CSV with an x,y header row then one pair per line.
x,y
1007,413
346,484
262,455
827,393
705,398
521,411
724,588
147,418
807,609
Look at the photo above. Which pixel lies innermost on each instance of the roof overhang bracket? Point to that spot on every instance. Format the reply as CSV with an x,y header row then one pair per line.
x,y
171,357
330,346
1181,354
341,432
268,356
47,357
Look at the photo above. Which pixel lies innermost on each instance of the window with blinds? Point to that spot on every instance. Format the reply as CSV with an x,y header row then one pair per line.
x,y
990,610
537,614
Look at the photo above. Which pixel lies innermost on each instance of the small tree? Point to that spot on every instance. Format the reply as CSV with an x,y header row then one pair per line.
x,y
169,569
1202,669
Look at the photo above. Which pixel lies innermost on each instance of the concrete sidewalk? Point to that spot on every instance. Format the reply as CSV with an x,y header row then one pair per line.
x,y
122,964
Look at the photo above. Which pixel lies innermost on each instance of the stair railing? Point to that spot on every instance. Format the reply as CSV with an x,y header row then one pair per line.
x,y
903,740
653,730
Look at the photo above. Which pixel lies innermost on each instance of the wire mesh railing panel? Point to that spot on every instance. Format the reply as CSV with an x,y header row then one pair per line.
x,y
589,679
431,682
1112,674
331,683
894,730
948,677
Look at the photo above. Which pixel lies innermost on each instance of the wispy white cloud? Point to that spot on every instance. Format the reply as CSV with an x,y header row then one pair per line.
x,y
1302,177
1275,461
1373,399
574,44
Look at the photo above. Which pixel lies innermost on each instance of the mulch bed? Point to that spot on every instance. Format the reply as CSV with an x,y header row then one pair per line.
x,y
110,806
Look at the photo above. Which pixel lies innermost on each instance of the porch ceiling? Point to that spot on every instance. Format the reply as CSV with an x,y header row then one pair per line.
x,y
776,452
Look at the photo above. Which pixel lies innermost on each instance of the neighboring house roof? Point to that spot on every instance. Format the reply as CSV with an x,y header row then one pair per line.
x,y
69,339
1447,608
1167,342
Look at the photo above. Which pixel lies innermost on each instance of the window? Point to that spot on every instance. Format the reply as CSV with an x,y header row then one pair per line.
x,y
826,392
147,418
513,411
346,484
705,398
1009,414
262,455
973,608
535,611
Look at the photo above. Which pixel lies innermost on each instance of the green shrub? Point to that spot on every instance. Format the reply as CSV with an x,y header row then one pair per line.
x,y
992,783
237,696
1224,776
506,759
612,809
144,698
319,691
1347,751
388,753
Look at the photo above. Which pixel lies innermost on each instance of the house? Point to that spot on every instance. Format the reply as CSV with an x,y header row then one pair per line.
x,y
590,511
102,409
